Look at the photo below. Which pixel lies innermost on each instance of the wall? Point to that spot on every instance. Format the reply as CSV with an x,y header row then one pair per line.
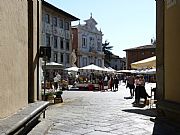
x,y
19,40
13,56
137,55
171,48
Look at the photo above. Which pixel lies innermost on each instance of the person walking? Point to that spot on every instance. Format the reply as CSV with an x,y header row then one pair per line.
x,y
100,83
116,83
112,84
140,91
130,84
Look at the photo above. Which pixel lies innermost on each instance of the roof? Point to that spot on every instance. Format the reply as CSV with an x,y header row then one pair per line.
x,y
141,47
46,4
91,20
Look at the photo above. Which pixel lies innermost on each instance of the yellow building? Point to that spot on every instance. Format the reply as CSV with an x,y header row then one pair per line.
x,y
168,66
19,42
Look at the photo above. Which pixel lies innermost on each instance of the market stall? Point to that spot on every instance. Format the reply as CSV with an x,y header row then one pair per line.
x,y
89,77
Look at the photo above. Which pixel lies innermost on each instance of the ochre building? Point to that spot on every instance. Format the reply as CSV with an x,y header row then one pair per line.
x,y
168,64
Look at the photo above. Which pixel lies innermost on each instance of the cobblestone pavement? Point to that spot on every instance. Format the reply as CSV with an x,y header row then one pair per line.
x,y
96,113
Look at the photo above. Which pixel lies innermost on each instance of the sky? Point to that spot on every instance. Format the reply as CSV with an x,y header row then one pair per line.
x,y
124,23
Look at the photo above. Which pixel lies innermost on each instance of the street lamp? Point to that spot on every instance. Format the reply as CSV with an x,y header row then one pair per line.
x,y
45,53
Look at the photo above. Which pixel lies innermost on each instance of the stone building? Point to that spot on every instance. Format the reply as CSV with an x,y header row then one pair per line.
x,y
87,41
116,62
139,53
168,65
19,64
56,33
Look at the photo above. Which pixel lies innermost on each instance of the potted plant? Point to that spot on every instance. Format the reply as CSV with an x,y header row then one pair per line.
x,y
58,97
48,96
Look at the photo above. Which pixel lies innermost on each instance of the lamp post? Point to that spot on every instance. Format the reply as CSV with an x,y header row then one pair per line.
x,y
45,53
44,73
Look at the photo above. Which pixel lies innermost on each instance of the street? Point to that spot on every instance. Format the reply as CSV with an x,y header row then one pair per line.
x,y
97,113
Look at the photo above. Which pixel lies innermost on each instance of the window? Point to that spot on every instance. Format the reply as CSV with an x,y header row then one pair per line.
x,y
91,39
115,67
54,21
62,43
95,61
98,46
55,41
67,58
67,45
67,26
84,39
84,61
62,58
47,18
55,57
47,39
61,23
99,62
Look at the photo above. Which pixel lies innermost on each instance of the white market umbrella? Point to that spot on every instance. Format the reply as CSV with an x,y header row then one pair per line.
x,y
146,63
111,69
72,69
106,69
92,67
126,71
148,71
53,65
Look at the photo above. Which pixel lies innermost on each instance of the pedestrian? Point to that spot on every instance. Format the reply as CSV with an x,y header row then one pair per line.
x,y
112,84
140,91
130,84
100,83
116,83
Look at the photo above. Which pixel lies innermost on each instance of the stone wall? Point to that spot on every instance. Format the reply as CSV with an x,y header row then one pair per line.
x,y
13,56
19,39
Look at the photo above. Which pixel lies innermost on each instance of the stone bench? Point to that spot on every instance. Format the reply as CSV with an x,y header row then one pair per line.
x,y
24,119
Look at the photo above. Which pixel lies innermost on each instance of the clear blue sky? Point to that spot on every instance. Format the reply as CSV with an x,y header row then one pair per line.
x,y
124,23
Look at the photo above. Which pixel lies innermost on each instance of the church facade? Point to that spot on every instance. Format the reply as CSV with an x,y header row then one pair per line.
x,y
87,41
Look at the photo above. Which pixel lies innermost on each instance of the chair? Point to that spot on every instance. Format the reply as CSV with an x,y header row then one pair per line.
x,y
153,99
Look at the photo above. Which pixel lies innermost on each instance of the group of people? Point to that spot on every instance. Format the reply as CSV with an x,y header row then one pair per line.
x,y
137,88
113,83
110,81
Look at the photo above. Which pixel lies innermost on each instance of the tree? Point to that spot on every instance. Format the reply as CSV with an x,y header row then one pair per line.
x,y
153,41
107,51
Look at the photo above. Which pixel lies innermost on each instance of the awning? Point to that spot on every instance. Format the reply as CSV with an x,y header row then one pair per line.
x,y
145,64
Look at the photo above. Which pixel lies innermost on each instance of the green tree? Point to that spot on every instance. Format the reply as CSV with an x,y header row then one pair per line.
x,y
153,41
107,51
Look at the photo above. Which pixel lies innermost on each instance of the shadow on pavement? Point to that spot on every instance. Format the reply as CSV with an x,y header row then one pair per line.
x,y
164,127
147,112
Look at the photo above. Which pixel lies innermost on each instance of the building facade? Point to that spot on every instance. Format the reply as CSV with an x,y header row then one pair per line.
x,y
117,63
168,66
87,41
139,53
56,33
19,45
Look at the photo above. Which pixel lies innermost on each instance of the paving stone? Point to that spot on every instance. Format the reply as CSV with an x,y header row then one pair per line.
x,y
98,113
